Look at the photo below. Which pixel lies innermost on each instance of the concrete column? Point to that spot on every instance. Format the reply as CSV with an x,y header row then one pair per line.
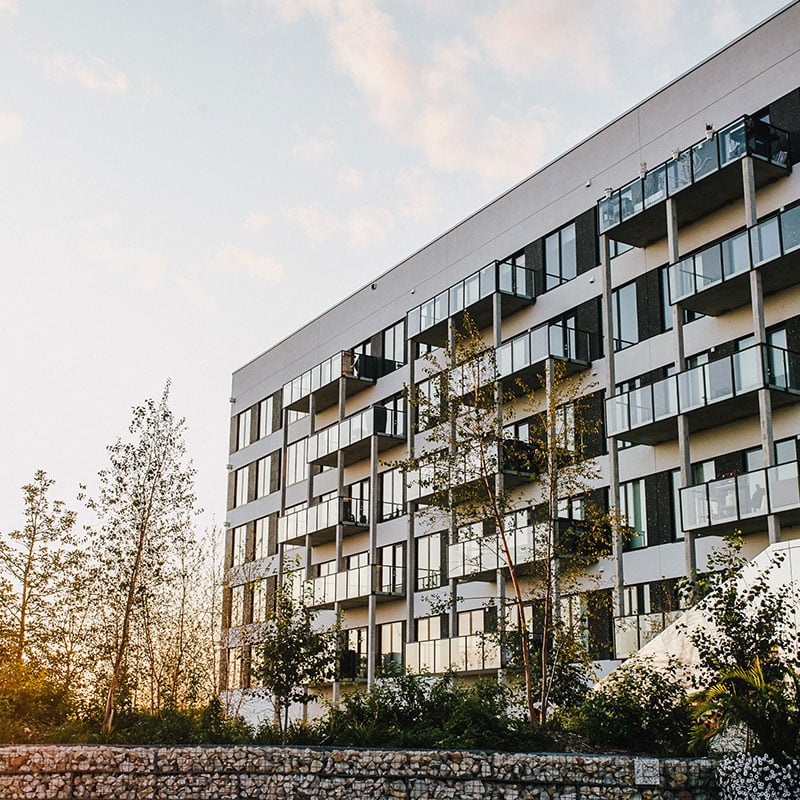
x,y
613,449
452,339
760,333
372,629
342,410
410,508
684,448
497,340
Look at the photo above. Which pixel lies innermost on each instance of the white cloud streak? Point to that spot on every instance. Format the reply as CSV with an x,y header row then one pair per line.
x,y
242,261
11,127
9,7
90,72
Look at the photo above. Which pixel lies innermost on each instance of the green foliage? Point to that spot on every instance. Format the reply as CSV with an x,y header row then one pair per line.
x,y
30,703
636,708
769,710
419,711
293,653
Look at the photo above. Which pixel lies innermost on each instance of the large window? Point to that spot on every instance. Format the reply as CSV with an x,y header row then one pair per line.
x,y
237,606
266,411
234,668
625,316
354,657
260,598
238,545
560,257
262,476
634,513
243,422
392,563
262,538
296,463
391,645
391,494
240,486
394,342
429,562
429,628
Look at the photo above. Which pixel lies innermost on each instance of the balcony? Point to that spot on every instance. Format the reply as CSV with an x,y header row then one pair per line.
x,y
320,521
742,501
479,557
461,654
353,586
352,436
634,631
709,395
322,381
716,279
706,177
521,360
427,323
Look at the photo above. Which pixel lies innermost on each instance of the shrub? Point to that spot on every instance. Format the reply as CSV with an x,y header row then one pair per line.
x,y
637,707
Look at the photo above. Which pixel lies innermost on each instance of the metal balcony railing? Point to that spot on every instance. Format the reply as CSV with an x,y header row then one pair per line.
x,y
323,518
357,584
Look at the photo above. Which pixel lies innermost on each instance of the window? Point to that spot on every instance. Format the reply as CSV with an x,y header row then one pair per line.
x,y
357,508
266,411
429,403
325,568
354,657
358,560
260,609
238,545
471,622
618,248
392,484
429,562
677,526
296,463
565,427
234,668
261,538
625,316
237,606
390,637
634,513
429,628
560,257
394,342
243,423
293,584
703,472
240,480
262,476
295,416
392,562
363,349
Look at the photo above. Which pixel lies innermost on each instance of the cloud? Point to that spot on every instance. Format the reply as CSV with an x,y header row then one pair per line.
x,y
555,37
351,178
8,7
200,297
313,149
90,72
256,223
422,196
360,227
148,268
10,128
100,222
239,260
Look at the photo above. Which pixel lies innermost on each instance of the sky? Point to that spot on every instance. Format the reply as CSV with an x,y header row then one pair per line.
x,y
186,182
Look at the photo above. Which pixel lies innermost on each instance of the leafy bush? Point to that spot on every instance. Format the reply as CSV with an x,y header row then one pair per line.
x,y
637,708
420,711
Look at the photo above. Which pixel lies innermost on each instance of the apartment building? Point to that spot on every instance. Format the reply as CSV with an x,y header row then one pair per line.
x,y
658,258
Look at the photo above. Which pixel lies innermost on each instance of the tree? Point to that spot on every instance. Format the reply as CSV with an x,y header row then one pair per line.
x,y
294,651
465,408
33,559
145,505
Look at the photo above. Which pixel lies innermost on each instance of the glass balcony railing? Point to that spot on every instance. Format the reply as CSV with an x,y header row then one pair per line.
x,y
463,654
511,280
353,431
525,352
647,414
634,631
719,264
356,584
746,136
737,498
323,517
486,554
346,364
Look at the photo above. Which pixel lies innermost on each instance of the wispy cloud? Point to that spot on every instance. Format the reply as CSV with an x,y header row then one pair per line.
x,y
90,72
312,149
8,7
11,127
359,227
242,261
256,223
147,268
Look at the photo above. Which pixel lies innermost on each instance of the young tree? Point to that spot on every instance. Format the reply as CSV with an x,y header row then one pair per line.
x,y
33,560
294,652
465,410
145,505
